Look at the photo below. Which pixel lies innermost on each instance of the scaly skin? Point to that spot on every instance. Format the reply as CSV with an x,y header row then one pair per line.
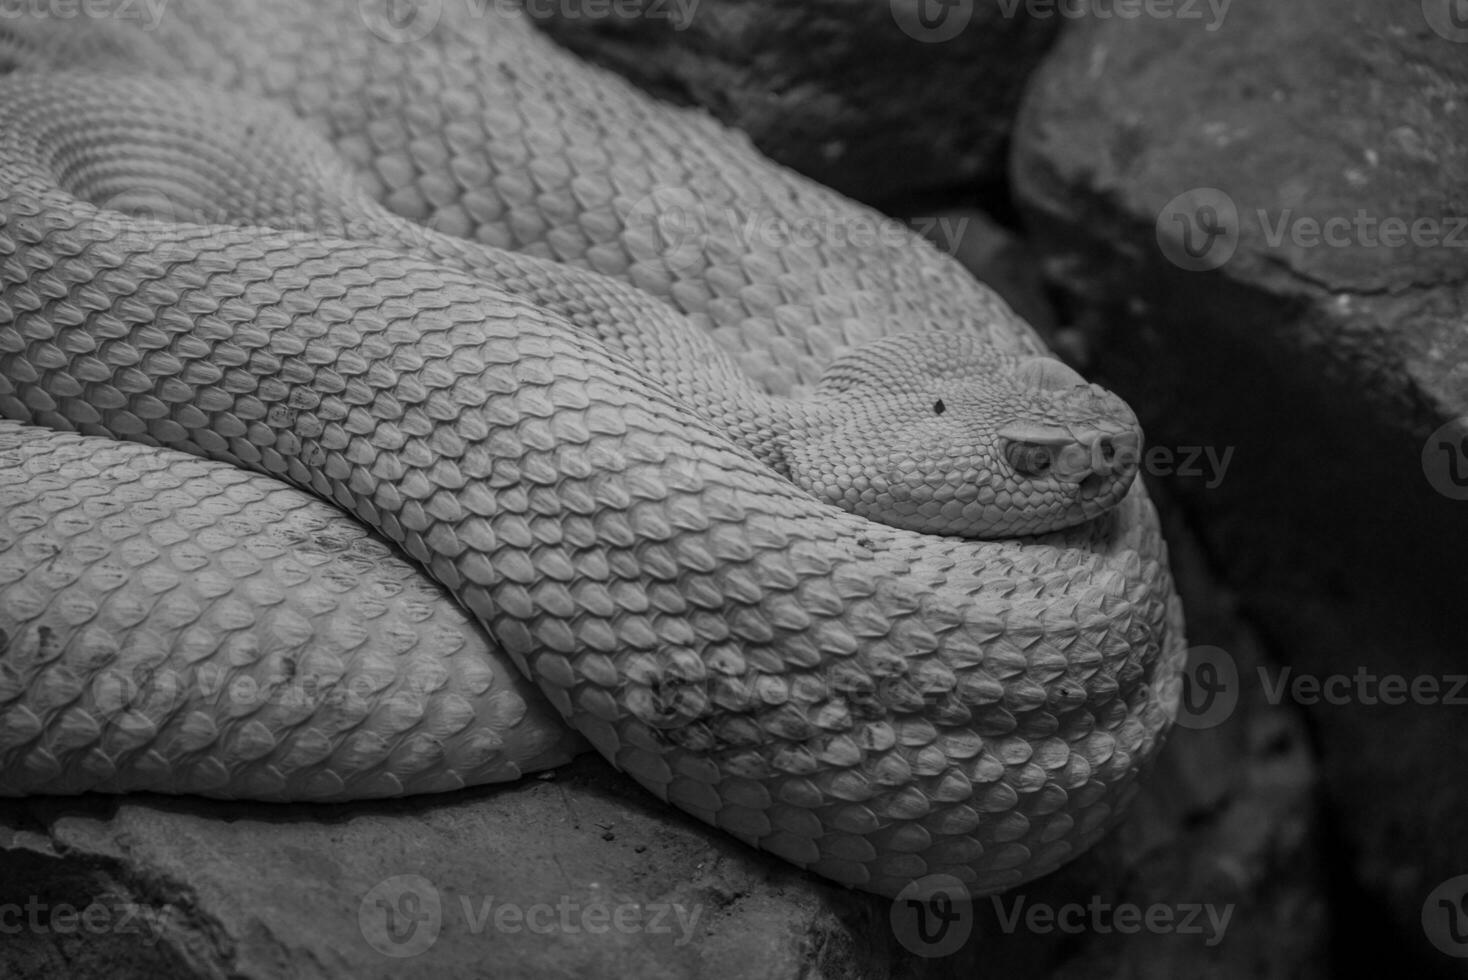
x,y
868,702
141,585
869,439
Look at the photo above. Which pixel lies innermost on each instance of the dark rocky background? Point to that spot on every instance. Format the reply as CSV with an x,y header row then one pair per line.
x,y
1081,156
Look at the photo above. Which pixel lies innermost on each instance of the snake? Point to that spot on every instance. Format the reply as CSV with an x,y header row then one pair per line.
x,y
388,413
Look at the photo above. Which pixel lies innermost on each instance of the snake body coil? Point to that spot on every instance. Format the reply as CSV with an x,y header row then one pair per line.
x,y
565,436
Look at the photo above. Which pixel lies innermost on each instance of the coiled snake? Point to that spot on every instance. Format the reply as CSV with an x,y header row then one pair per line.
x,y
713,487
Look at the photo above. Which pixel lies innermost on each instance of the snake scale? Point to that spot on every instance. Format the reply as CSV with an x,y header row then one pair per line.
x,y
508,313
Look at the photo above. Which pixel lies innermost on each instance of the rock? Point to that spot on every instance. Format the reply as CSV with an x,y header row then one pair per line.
x,y
860,96
1256,222
191,888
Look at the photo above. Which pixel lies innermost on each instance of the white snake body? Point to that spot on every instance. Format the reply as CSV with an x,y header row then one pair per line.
x,y
869,702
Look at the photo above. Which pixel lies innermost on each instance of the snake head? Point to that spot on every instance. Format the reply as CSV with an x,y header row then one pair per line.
x,y
942,433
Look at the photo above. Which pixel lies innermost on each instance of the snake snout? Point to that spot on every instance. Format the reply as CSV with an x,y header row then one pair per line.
x,y
1115,453
1096,457
1071,457
1093,454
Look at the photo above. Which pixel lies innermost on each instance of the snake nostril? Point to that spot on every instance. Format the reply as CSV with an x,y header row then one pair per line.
x,y
1107,449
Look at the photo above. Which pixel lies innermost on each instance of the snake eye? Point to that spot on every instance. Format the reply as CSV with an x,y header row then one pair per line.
x,y
1029,459
939,408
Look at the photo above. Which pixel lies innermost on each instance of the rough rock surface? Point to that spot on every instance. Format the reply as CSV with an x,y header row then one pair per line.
x,y
1312,157
860,96
257,890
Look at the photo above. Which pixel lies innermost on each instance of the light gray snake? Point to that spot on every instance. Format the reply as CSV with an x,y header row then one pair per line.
x,y
645,457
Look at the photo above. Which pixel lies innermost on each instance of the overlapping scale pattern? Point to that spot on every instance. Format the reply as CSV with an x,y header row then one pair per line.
x,y
183,626
872,704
